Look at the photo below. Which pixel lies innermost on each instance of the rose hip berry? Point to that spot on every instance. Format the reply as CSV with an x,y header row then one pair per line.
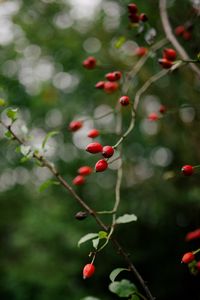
x,y
143,17
101,165
165,63
75,125
88,271
85,170
108,151
89,63
93,133
162,109
179,30
187,35
153,117
198,265
78,180
94,148
110,87
114,76
81,215
169,54
100,85
141,51
187,170
193,235
132,7
124,100
187,258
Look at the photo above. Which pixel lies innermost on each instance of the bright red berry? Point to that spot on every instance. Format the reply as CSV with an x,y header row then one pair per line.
x,y
143,17
169,54
193,235
153,116
187,170
179,30
89,63
94,148
124,100
187,35
132,7
187,258
101,165
165,63
100,85
108,151
93,133
88,271
141,51
110,87
114,76
75,125
85,170
78,180
162,109
198,265
117,75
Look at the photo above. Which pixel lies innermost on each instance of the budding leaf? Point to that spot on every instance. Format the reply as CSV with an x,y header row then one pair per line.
x,y
103,235
116,272
48,136
123,288
87,237
46,184
126,219
12,113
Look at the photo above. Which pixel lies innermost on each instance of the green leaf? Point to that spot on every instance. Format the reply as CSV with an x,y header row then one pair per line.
x,y
87,237
8,135
18,149
47,183
116,272
25,150
25,159
95,243
48,136
12,113
103,235
126,218
2,102
120,41
135,297
123,288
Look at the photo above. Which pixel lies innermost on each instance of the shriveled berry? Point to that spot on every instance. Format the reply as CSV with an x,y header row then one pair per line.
x,y
179,30
124,100
187,258
93,133
132,7
85,170
141,51
143,17
165,63
94,148
187,35
78,180
100,85
108,151
88,271
75,125
193,235
187,170
153,117
162,109
169,54
110,87
89,63
81,215
101,165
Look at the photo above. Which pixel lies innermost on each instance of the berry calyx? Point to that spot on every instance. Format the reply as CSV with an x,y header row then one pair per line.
x,y
75,125
85,170
89,63
88,271
78,180
187,170
94,148
93,133
153,117
169,54
101,165
187,258
81,215
165,63
110,87
132,7
143,17
100,85
124,100
141,51
108,151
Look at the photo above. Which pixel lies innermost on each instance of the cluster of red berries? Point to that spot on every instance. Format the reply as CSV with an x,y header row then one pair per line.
x,y
183,32
169,56
134,17
82,171
154,116
111,85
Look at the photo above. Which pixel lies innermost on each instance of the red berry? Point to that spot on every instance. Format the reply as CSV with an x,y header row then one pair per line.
x,y
193,235
75,125
114,76
153,117
124,100
94,148
118,75
78,180
88,271
165,63
187,258
141,51
132,7
134,18
187,170
187,35
143,17
89,63
108,151
169,54
110,87
100,85
81,215
93,133
198,265
162,109
101,165
85,170
179,30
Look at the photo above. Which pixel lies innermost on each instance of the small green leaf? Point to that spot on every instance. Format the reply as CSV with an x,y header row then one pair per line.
x,y
2,102
12,113
87,237
8,135
126,219
123,288
46,184
135,297
18,149
48,136
95,243
103,235
120,41
25,159
116,272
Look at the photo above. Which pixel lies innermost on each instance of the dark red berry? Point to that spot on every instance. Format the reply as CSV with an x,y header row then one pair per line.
x,y
165,63
75,125
169,54
93,133
78,180
89,63
198,265
88,271
110,87
94,148
187,35
85,170
108,151
153,117
100,85
101,165
134,18
187,170
187,258
132,7
179,30
143,17
141,51
117,75
81,215
124,100
162,109
110,77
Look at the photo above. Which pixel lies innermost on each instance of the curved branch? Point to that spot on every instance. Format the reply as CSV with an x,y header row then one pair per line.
x,y
171,37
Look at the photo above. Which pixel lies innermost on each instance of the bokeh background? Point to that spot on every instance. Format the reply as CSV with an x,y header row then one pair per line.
x,y
42,46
